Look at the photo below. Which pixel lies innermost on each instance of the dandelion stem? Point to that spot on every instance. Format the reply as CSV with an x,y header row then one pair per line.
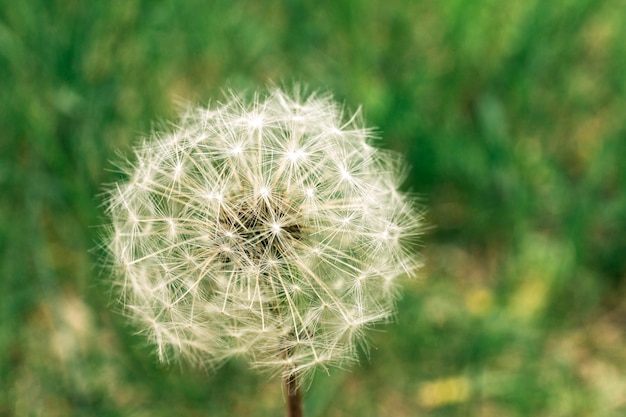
x,y
294,397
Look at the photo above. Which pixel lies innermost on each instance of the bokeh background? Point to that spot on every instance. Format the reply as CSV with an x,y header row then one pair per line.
x,y
511,113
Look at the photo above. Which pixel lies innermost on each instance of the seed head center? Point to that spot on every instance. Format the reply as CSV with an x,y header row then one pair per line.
x,y
265,229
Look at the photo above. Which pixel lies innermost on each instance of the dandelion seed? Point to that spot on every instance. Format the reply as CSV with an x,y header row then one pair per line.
x,y
262,230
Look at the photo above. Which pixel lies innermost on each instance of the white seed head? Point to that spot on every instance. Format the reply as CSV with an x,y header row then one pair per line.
x,y
268,229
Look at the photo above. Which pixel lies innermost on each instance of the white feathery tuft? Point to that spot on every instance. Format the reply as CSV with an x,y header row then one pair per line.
x,y
269,229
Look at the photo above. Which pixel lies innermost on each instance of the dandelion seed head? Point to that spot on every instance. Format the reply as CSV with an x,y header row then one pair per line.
x,y
268,229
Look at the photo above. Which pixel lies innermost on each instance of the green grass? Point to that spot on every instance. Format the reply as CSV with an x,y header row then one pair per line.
x,y
511,115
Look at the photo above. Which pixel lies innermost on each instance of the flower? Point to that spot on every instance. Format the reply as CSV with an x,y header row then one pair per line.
x,y
270,229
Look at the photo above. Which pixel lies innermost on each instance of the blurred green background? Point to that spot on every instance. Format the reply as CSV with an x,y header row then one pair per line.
x,y
511,114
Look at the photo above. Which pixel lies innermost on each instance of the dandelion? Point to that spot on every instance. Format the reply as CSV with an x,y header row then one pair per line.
x,y
268,229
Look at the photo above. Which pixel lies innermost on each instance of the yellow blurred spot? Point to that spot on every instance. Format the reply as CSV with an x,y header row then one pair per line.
x,y
444,391
529,298
479,301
